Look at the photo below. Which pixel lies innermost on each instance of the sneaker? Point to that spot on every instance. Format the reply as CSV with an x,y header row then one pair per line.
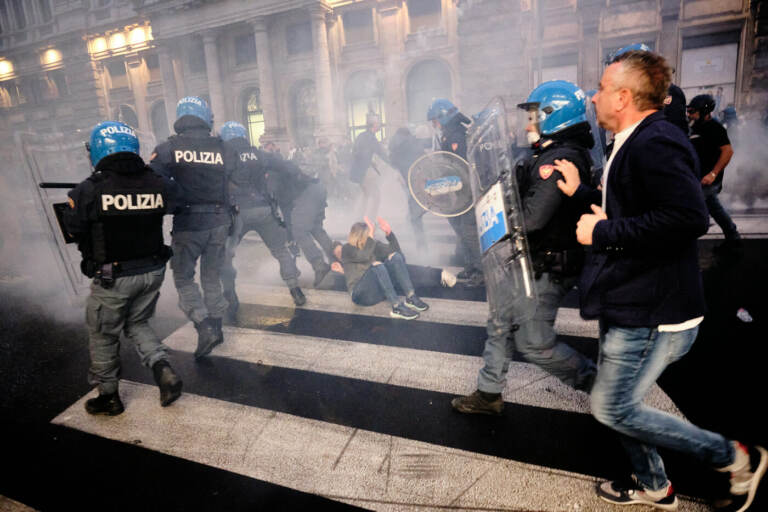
x,y
401,311
635,494
447,279
479,403
298,296
109,405
747,469
414,302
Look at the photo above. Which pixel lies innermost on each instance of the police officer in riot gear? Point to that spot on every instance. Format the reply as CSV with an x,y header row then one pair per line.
x,y
256,212
200,165
452,126
302,200
557,131
116,217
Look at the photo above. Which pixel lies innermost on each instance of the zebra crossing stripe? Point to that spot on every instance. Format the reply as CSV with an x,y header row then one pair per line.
x,y
427,370
377,471
447,311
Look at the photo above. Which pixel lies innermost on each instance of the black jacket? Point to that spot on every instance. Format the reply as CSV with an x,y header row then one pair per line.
x,y
643,268
454,136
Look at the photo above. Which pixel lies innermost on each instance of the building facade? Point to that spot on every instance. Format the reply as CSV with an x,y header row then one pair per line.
x,y
296,70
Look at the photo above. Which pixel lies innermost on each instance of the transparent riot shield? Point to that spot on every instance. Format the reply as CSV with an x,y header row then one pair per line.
x,y
440,183
597,153
58,162
504,247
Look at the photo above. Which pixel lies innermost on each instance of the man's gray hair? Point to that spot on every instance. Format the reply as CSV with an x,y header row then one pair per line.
x,y
647,75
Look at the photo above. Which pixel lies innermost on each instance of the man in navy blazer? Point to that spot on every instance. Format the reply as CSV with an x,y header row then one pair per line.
x,y
642,282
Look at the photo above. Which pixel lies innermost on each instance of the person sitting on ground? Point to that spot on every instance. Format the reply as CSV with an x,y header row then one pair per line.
x,y
370,267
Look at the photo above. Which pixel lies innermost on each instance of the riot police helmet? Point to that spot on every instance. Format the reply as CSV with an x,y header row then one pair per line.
x,y
703,104
640,47
194,106
110,137
232,130
442,111
553,107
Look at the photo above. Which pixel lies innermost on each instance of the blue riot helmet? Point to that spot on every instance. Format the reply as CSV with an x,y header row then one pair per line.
x,y
194,106
232,130
552,107
640,47
442,111
111,137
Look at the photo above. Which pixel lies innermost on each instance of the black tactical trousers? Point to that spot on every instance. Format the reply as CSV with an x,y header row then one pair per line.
x,y
275,237
307,219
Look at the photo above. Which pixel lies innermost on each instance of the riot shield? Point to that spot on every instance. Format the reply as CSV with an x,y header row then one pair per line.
x,y
58,160
598,134
440,183
504,247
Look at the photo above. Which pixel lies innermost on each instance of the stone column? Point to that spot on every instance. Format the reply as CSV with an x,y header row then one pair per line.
x,y
669,42
269,105
137,75
323,87
170,91
214,78
591,66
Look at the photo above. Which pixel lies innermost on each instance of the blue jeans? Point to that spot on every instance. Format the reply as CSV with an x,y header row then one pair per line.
x,y
717,211
535,339
631,359
377,285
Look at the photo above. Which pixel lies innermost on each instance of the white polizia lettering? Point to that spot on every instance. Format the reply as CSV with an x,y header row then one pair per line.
x,y
244,157
111,130
131,202
193,157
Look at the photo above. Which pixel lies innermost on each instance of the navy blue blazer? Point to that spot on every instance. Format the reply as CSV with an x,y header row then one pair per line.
x,y
642,270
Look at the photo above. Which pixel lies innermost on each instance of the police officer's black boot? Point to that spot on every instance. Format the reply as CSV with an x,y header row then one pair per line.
x,y
168,382
298,296
207,337
110,405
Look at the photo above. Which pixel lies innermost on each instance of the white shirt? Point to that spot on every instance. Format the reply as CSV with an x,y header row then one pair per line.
x,y
618,140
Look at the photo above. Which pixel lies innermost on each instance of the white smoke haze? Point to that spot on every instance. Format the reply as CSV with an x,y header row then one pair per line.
x,y
480,49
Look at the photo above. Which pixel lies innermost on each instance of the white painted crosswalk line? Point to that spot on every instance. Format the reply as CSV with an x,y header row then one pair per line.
x,y
376,471
448,311
420,369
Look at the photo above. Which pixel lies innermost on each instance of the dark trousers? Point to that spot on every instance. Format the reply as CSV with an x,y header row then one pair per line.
x,y
717,211
260,220
307,219
379,281
465,228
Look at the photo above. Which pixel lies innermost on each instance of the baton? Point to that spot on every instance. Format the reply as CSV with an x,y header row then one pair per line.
x,y
56,184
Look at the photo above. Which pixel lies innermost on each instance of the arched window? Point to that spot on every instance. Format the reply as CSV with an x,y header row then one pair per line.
x,y
253,115
364,96
426,81
159,121
304,108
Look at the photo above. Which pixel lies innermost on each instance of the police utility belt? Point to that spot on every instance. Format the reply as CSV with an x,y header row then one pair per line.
x,y
564,263
105,275
205,208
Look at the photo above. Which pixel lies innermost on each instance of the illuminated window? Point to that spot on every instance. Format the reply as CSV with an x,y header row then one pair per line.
x,y
358,26
254,117
364,96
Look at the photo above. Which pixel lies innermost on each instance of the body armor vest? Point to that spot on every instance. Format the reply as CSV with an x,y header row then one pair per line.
x,y
197,165
127,217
